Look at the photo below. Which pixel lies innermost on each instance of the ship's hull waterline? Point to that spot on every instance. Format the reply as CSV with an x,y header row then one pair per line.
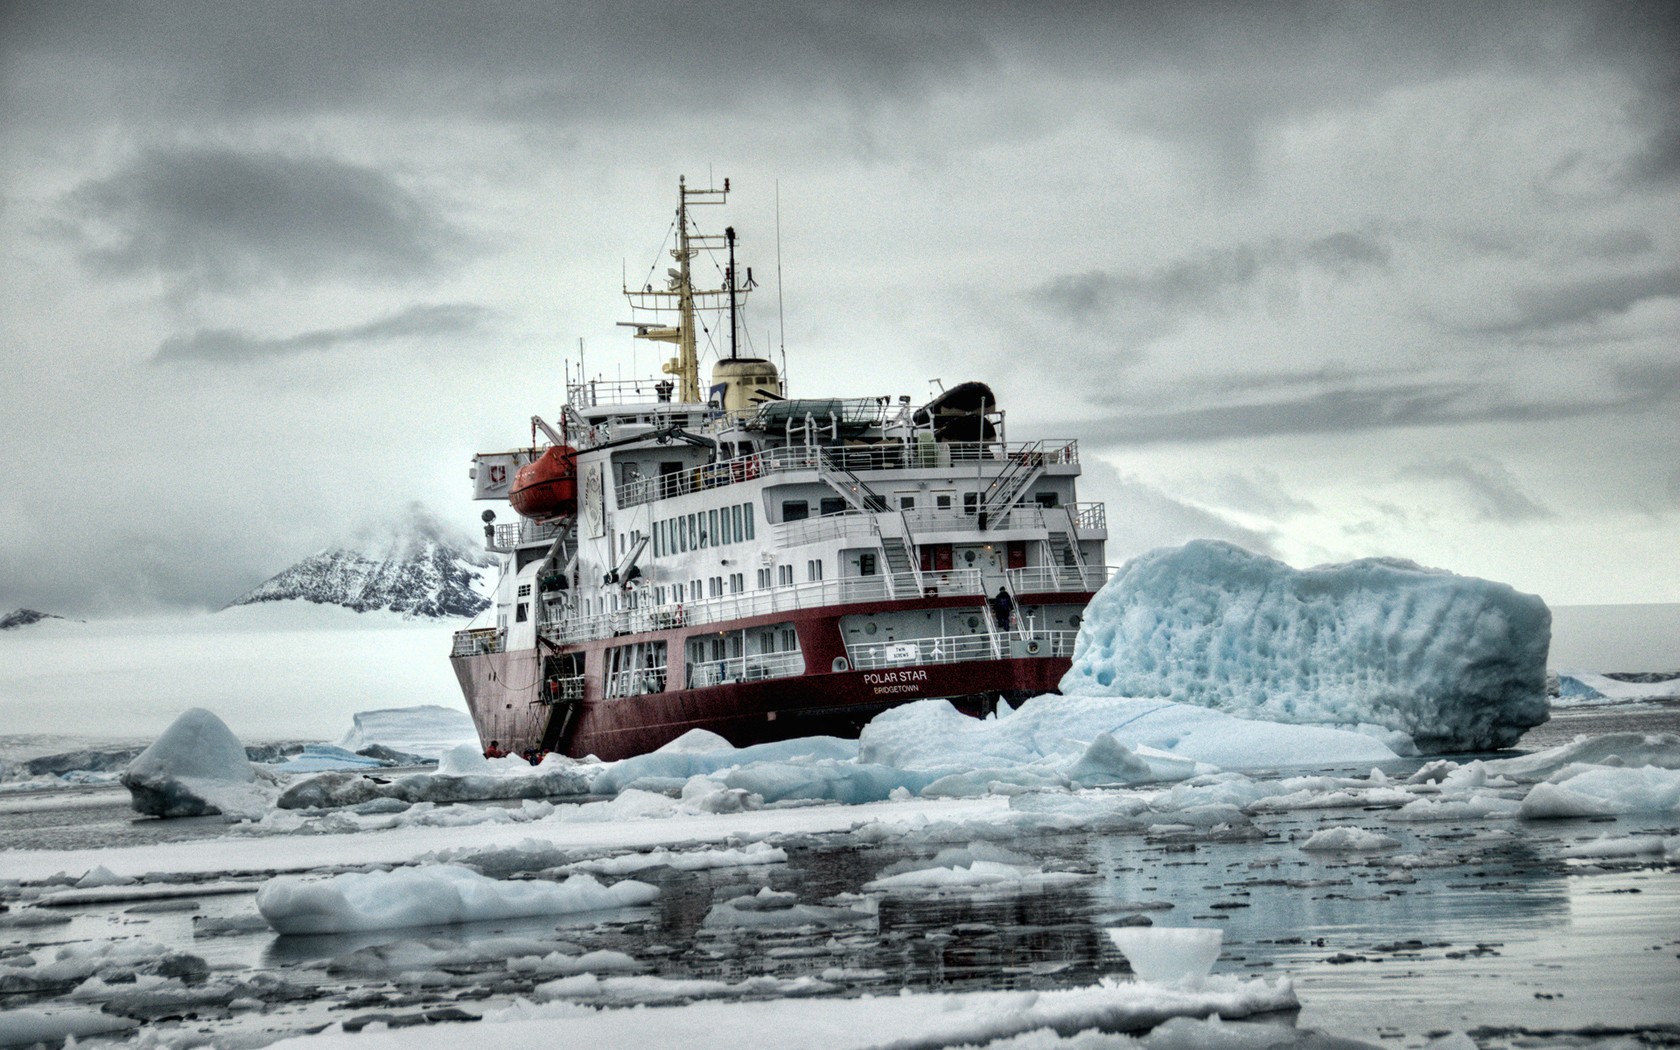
x,y
502,693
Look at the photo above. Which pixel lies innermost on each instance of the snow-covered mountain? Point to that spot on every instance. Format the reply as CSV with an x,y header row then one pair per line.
x,y
417,567
23,618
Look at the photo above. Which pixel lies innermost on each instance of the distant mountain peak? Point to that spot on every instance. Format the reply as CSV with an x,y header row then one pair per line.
x,y
416,566
23,618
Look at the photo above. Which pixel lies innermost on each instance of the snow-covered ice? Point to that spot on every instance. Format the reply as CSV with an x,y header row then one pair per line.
x,y
196,768
1165,953
1457,663
432,895
428,730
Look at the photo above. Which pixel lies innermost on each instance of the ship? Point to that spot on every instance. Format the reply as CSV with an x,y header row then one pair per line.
x,y
733,558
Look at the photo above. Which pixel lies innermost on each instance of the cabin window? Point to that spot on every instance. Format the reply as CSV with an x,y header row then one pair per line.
x,y
866,564
971,502
747,518
735,524
944,500
795,510
763,579
906,501
832,505
712,528
1048,499
813,570
519,612
524,590
693,535
737,582
784,575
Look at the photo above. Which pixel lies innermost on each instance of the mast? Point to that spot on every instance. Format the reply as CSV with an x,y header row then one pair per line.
x,y
729,280
686,365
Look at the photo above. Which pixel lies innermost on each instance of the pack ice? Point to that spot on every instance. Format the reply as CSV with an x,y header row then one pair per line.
x,y
1456,662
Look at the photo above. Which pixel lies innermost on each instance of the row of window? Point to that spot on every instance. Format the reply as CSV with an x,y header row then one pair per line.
x,y
702,529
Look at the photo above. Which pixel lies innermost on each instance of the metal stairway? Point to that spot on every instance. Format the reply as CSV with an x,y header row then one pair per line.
x,y
901,570
1023,469
849,485
1064,558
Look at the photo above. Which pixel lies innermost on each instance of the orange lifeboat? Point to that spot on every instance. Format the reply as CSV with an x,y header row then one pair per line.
x,y
546,487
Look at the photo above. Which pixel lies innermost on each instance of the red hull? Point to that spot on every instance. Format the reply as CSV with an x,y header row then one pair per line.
x,y
502,692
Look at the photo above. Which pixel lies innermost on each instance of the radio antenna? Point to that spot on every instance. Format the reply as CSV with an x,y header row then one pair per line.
x,y
781,317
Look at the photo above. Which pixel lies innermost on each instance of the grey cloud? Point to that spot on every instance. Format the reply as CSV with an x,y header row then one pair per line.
x,y
1540,307
525,59
229,219
228,346
1142,517
1149,303
1491,489
1347,406
1256,492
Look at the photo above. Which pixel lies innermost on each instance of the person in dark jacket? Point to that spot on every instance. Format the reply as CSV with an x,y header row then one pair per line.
x,y
1003,607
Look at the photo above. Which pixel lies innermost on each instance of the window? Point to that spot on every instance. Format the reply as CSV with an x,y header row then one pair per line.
x,y
906,501
971,502
735,524
831,505
1048,499
747,518
712,528
693,536
519,611
784,575
795,510
524,590
737,582
943,501
790,640
866,564
813,570
763,578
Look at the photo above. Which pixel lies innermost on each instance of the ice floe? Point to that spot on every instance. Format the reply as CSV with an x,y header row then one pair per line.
x,y
1457,663
432,895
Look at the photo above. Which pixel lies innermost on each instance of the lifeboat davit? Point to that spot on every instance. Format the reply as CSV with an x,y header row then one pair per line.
x,y
546,487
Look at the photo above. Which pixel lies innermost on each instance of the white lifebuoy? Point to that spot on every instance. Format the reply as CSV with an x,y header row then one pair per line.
x,y
1032,647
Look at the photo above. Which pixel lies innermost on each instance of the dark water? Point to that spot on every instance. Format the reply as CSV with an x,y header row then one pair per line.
x,y
1472,925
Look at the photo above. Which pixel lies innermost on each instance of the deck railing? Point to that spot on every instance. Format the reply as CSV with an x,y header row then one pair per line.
x,y
478,640
1090,516
846,591
745,668
1041,578
636,681
895,455
510,534
958,648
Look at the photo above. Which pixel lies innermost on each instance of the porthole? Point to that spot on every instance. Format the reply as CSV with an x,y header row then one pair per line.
x,y
1075,620
973,622
869,628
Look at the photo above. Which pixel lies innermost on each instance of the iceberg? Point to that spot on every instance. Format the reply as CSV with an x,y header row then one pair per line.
x,y
1457,663
427,730
196,768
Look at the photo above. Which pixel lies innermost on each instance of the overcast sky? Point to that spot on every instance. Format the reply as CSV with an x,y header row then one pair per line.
x,y
1329,280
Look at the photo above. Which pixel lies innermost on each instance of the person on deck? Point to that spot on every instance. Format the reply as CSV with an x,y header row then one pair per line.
x,y
1002,608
